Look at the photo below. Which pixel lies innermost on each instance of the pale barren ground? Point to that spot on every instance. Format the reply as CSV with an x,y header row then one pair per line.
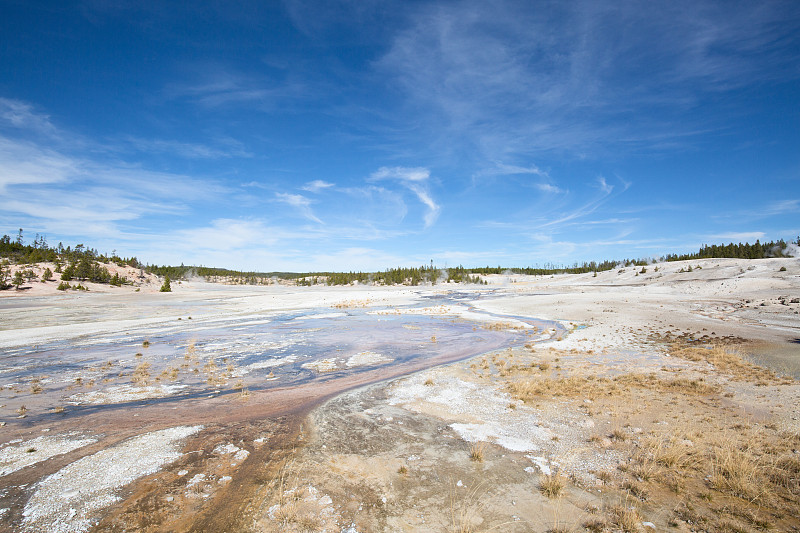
x,y
643,413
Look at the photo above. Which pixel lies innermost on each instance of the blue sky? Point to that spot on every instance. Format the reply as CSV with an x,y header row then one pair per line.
x,y
306,135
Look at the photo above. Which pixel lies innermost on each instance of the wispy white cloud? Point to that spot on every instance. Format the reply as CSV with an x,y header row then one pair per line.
x,y
499,168
506,78
603,185
783,206
403,174
300,202
24,163
44,185
228,148
317,185
414,179
502,169
547,187
216,85
737,236
369,259
23,116
610,221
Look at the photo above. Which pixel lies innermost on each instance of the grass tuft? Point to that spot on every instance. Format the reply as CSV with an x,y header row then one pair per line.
x,y
476,450
552,485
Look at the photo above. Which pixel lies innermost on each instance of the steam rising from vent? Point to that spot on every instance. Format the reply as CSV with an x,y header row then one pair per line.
x,y
791,250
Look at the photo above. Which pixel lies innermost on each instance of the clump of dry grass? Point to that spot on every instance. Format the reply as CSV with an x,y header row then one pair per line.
x,y
552,485
476,450
626,518
141,373
170,373
738,471
785,472
210,366
296,514
596,525
619,435
671,452
636,489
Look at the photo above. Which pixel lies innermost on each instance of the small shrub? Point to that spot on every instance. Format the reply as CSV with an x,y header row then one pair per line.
x,y
782,269
63,286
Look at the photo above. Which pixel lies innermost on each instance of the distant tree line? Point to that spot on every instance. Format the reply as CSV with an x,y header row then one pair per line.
x,y
757,250
16,251
78,263
82,263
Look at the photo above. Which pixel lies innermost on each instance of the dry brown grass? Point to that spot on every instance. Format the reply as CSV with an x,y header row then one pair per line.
x,y
349,304
141,374
596,387
170,373
738,472
728,361
476,451
626,518
669,451
619,435
552,485
596,525
708,465
466,507
731,476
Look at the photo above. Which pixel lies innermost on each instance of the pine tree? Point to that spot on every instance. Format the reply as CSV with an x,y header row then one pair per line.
x,y
5,273
19,279
166,286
